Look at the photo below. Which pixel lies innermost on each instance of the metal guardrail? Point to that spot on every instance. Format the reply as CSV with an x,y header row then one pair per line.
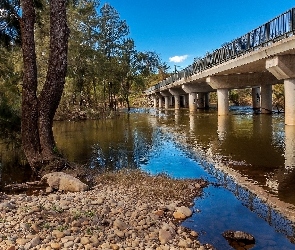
x,y
280,27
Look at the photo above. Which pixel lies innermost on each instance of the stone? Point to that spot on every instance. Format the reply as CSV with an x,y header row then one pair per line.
x,y
239,236
120,224
94,239
194,234
6,205
115,247
22,241
164,236
55,245
84,240
178,215
35,227
68,244
58,234
12,247
183,243
160,212
64,182
185,210
119,233
35,241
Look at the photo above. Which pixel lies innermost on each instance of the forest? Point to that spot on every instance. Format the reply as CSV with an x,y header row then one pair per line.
x,y
70,60
105,70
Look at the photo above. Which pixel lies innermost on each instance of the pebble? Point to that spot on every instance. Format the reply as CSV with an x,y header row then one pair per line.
x,y
106,217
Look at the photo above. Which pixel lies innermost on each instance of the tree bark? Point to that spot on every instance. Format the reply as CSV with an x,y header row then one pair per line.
x,y
38,112
29,126
57,68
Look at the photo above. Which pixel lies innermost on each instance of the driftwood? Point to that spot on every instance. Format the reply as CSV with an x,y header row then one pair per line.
x,y
25,187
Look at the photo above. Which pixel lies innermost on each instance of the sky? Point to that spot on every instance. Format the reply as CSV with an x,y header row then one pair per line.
x,y
179,31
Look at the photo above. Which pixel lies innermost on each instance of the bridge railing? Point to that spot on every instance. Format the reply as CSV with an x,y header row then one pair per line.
x,y
277,29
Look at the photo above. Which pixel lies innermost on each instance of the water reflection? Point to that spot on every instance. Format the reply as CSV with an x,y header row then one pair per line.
x,y
223,127
258,147
289,148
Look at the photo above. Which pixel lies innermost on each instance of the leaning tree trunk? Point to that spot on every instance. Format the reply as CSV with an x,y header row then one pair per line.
x,y
29,127
38,113
56,73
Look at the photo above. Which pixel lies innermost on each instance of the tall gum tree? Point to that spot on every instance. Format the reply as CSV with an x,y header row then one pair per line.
x,y
38,111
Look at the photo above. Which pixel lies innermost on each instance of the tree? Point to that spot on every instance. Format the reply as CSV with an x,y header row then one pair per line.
x,y
112,32
136,67
38,111
9,22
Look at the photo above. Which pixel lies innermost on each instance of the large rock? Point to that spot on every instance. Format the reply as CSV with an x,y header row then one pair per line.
x,y
236,238
64,182
182,213
164,236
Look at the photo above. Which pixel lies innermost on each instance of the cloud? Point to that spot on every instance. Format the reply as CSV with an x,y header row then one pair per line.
x,y
178,59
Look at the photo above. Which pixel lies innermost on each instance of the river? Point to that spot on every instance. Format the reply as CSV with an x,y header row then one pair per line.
x,y
248,159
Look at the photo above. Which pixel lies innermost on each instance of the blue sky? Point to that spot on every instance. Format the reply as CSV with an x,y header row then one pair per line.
x,y
189,28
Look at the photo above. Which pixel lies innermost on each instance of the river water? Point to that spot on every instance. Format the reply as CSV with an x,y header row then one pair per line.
x,y
247,158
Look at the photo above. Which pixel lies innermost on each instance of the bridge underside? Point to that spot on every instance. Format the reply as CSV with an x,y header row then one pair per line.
x,y
258,69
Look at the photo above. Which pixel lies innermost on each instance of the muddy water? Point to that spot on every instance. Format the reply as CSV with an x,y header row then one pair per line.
x,y
255,147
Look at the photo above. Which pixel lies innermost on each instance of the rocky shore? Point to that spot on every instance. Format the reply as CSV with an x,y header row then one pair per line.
x,y
124,210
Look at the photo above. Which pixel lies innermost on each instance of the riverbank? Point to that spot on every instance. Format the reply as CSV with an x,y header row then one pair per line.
x,y
125,210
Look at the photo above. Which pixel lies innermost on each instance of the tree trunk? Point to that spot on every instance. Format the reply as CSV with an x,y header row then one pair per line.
x,y
38,113
56,73
29,126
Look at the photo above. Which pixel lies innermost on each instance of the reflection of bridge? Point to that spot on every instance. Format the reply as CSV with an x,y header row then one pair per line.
x,y
261,58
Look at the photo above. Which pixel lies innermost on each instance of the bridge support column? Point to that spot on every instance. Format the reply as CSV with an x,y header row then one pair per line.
x,y
256,98
222,101
166,98
192,102
266,99
201,101
155,98
207,100
185,100
160,102
177,101
289,85
290,147
166,102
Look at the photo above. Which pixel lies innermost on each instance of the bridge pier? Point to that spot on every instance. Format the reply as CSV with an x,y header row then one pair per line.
x,y
177,101
185,101
176,94
289,85
196,93
201,101
256,98
166,98
207,100
290,147
155,99
266,99
222,101
282,67
192,102
160,100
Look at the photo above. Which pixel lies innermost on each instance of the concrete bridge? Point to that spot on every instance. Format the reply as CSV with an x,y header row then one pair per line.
x,y
259,59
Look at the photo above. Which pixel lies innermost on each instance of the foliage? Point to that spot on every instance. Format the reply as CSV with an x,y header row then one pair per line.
x,y
9,23
278,96
10,98
240,96
104,66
